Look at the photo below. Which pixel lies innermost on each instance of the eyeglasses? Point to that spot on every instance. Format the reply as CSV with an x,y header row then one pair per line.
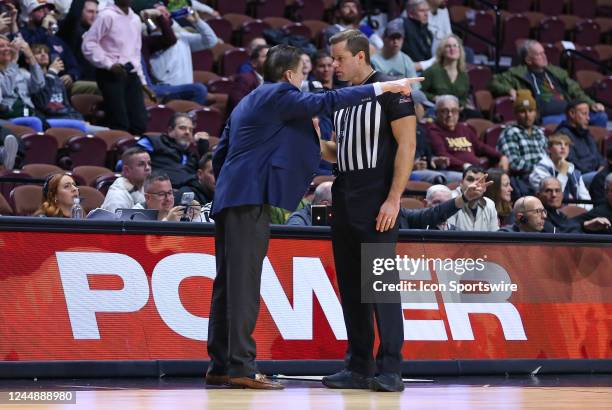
x,y
451,46
446,111
166,194
539,211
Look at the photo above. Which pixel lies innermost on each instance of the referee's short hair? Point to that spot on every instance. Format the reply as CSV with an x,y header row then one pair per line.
x,y
356,41
279,59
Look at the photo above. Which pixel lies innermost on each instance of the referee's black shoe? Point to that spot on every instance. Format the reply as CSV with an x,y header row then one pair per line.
x,y
387,382
346,379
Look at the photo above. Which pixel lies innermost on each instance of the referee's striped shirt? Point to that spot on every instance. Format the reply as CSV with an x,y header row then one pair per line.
x,y
363,132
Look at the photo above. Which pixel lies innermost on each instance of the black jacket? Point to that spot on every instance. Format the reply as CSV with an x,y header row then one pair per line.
x,y
417,40
427,218
597,189
584,153
557,222
71,30
603,210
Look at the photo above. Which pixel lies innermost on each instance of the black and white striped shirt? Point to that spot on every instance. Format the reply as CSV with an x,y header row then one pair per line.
x,y
363,132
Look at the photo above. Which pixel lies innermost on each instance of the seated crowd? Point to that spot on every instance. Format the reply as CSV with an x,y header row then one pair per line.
x,y
547,167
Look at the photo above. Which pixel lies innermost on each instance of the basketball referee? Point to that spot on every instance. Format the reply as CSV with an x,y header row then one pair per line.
x,y
374,151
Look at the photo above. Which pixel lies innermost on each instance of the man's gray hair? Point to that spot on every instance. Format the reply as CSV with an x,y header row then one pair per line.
x,y
323,193
413,4
435,189
544,181
441,99
608,183
523,50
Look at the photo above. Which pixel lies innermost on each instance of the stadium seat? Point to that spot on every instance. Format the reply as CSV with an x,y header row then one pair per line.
x,y
237,19
312,10
202,60
604,51
277,22
110,137
204,77
411,203
479,125
90,106
298,29
551,30
535,19
491,135
600,135
587,78
572,211
159,117
549,129
483,24
578,63
89,173
26,199
225,7
250,30
232,60
208,120
418,188
583,8
18,130
41,171
87,150
5,207
569,20
182,105
91,198
316,28
222,85
103,182
551,7
62,135
484,101
503,110
267,8
222,28
587,33
553,53
514,27
518,6
457,13
39,149
479,77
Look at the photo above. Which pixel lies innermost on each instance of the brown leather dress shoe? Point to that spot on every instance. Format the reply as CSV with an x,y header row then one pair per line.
x,y
217,379
260,381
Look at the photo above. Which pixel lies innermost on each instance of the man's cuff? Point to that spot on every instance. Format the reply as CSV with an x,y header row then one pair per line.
x,y
377,89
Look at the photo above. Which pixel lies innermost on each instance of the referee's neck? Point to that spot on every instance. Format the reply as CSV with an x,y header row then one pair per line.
x,y
362,75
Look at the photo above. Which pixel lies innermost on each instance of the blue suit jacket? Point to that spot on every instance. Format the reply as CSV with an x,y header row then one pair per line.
x,y
269,151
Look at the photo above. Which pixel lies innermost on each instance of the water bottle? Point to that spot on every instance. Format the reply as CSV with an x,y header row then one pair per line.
x,y
181,13
77,211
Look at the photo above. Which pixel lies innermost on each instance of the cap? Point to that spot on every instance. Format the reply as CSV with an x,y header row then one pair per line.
x,y
394,29
31,5
524,101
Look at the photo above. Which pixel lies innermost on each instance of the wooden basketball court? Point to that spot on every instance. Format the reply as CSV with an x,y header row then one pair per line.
x,y
542,392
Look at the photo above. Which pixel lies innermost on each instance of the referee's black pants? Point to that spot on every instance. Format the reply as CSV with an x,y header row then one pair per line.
x,y
242,234
356,200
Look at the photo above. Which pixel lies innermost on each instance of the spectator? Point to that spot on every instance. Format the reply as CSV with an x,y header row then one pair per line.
x,y
438,22
601,211
159,196
174,67
457,141
436,195
37,31
128,190
170,151
556,165
529,216
323,73
322,196
15,88
59,192
551,85
435,216
477,214
584,152
427,166
307,69
113,46
418,39
523,143
391,60
500,192
449,76
203,186
597,187
247,82
247,67
79,19
52,100
348,16
550,194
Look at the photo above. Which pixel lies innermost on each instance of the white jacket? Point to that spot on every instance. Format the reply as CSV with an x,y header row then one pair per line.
x,y
485,220
121,194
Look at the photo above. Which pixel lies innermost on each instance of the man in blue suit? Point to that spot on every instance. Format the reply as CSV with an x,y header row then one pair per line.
x,y
266,157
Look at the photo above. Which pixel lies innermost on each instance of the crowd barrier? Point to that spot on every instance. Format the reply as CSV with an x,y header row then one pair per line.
x,y
86,298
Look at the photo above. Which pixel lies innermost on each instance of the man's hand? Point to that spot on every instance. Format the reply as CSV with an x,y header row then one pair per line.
x,y
57,66
20,45
149,93
192,18
202,135
5,22
67,80
387,215
175,214
597,224
419,165
597,107
477,188
118,70
402,86
440,162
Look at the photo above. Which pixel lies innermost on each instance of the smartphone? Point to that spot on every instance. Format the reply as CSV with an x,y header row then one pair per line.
x,y
187,198
319,215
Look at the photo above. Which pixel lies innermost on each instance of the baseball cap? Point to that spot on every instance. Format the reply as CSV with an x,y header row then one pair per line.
x,y
31,5
394,29
524,101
